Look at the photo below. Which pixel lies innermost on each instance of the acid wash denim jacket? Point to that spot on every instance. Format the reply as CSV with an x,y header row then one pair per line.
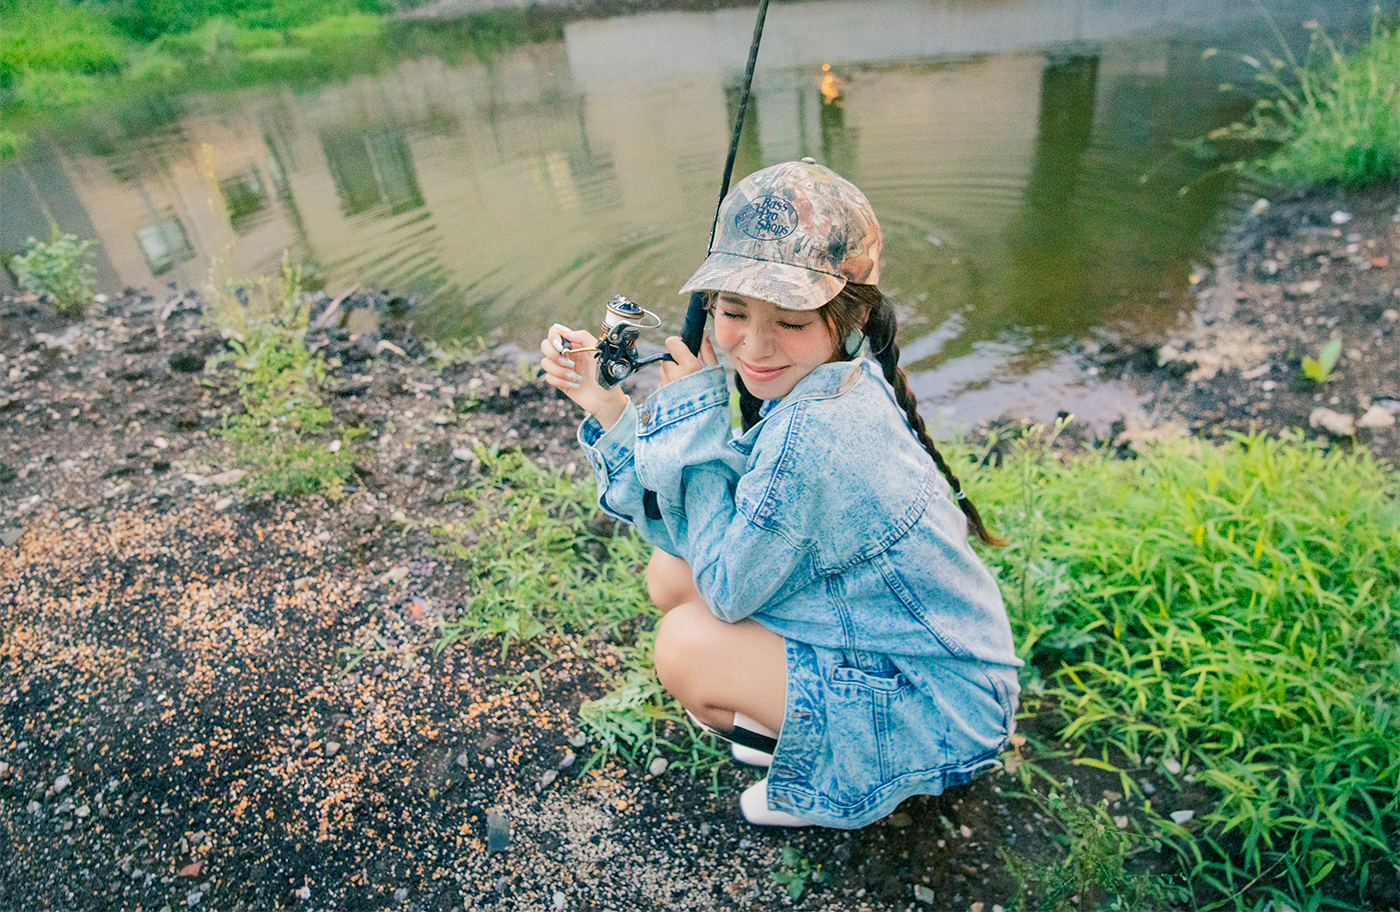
x,y
829,524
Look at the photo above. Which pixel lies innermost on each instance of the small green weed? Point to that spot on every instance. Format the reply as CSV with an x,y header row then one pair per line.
x,y
1331,119
797,873
1094,872
284,436
1320,371
58,268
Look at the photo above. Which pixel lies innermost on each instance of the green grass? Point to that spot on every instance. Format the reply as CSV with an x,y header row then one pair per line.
x,y
1331,119
57,267
538,557
1231,614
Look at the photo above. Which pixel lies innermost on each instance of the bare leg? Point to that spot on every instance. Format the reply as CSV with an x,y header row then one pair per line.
x,y
713,667
670,581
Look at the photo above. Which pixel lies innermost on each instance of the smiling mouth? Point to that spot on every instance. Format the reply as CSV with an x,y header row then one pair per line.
x,y
761,373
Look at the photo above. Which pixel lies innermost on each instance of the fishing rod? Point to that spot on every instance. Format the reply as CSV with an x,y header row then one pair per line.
x,y
616,349
695,316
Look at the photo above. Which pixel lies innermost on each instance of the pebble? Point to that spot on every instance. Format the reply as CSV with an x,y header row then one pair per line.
x,y
462,454
61,783
1172,765
1182,816
497,832
1377,416
1335,423
923,894
658,766
304,893
192,898
1391,314
401,894
567,761
548,777
332,748
560,900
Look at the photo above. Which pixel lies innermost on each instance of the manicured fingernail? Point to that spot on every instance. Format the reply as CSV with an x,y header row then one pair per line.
x,y
567,362
574,384
573,377
559,345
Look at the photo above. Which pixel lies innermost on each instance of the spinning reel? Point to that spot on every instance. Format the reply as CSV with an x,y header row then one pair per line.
x,y
623,322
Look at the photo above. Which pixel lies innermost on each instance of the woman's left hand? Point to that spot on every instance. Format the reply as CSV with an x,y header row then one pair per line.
x,y
686,363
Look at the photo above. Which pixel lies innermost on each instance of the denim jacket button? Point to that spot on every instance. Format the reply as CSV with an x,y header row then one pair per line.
x,y
645,417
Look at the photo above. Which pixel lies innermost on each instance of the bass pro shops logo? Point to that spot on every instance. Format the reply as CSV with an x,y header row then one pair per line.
x,y
768,218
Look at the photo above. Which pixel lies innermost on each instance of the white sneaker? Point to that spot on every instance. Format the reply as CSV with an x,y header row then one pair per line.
x,y
754,803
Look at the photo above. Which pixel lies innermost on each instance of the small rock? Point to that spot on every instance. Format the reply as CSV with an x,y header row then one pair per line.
x,y
560,900
497,832
1172,765
1121,822
463,760
1182,816
548,777
1340,218
567,761
1391,314
82,811
401,894
923,894
61,783
192,898
900,819
1377,416
191,870
304,893
1335,423
10,536
222,504
223,479
332,748
658,766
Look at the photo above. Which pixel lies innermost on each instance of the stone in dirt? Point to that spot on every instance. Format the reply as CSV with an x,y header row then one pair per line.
x,y
497,832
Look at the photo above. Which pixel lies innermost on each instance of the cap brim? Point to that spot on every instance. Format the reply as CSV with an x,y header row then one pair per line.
x,y
789,287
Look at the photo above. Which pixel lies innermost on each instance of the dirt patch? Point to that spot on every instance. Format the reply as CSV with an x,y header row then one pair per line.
x,y
181,721
1296,273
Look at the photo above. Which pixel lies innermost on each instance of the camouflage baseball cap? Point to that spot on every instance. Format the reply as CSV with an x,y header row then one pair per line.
x,y
793,234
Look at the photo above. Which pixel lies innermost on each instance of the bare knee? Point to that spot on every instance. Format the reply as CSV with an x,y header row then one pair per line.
x,y
669,581
682,642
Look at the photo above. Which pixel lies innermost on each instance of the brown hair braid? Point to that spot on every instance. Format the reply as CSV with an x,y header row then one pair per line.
x,y
856,304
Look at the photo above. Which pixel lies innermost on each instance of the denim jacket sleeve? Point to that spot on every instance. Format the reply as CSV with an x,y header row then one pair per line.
x,y
612,455
684,453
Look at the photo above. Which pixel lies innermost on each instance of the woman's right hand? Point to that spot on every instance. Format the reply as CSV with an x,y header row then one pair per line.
x,y
576,374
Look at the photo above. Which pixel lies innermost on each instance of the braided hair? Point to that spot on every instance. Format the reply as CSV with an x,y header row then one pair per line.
x,y
865,303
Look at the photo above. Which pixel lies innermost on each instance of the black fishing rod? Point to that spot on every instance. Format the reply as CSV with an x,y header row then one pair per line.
x,y
695,316
617,348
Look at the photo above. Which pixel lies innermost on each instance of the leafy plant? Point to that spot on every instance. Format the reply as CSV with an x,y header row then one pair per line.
x,y
1320,371
284,436
1094,872
58,268
797,872
1331,119
1234,608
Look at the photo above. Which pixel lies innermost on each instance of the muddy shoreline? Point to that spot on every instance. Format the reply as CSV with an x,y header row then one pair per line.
x,y
178,724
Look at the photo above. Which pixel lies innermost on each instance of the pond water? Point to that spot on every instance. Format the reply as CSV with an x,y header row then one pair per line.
x,y
1027,159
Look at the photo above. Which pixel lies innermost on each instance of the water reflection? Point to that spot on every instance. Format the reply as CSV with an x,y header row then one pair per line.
x,y
1022,156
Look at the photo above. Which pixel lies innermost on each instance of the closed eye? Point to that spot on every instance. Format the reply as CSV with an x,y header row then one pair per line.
x,y
794,325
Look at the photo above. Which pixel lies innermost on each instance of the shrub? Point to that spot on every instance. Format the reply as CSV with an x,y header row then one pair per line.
x,y
58,268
